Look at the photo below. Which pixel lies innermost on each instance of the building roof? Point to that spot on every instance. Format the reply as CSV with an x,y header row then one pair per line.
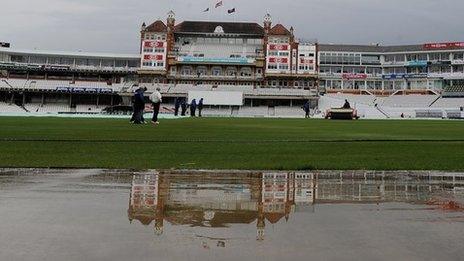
x,y
69,54
279,29
228,27
376,48
157,27
350,48
145,216
405,48
274,217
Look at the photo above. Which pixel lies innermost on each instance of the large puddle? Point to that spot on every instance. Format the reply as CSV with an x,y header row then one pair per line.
x,y
331,215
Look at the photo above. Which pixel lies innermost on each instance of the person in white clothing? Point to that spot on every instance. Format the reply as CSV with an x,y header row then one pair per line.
x,y
156,99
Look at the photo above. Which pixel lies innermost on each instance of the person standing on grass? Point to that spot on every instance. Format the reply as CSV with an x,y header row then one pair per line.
x,y
200,107
183,106
142,106
156,100
139,106
134,107
193,108
176,106
306,109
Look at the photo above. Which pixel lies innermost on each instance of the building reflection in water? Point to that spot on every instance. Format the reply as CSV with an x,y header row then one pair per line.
x,y
219,200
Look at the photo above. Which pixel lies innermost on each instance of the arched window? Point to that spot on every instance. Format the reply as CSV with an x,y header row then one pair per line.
x,y
216,71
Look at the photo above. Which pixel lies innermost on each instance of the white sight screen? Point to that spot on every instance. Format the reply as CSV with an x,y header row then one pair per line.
x,y
217,98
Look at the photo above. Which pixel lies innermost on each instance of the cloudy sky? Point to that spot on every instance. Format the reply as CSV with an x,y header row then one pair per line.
x,y
113,25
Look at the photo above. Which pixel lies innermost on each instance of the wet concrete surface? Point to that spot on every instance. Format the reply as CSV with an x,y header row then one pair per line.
x,y
122,215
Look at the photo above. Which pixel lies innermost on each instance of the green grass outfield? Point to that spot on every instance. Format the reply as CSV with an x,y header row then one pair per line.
x,y
216,143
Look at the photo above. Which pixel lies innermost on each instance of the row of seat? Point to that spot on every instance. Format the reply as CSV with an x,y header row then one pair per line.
x,y
10,108
407,101
245,89
54,84
449,103
218,50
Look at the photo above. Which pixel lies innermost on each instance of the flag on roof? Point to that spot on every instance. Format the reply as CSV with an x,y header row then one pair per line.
x,y
219,4
230,11
206,10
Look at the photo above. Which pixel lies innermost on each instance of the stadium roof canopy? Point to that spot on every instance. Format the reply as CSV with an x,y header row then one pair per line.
x,y
69,54
376,48
238,28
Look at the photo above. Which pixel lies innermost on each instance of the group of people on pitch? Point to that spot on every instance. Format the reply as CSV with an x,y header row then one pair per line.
x,y
156,99
182,105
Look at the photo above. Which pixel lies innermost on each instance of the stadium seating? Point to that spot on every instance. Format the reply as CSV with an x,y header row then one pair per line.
x,y
454,114
364,105
430,113
449,103
219,112
10,108
410,101
281,92
260,111
36,84
355,99
246,89
453,91
86,108
284,111
53,108
393,106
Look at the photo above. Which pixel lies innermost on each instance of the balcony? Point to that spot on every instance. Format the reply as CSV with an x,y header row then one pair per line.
x,y
447,76
215,77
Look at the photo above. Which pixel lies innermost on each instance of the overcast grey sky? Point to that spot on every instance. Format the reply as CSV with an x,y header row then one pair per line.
x,y
113,25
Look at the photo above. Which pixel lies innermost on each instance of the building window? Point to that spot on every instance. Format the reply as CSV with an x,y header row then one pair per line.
x,y
458,56
245,72
217,71
201,71
272,66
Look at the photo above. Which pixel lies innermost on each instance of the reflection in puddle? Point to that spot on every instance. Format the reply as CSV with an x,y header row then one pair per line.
x,y
211,200
205,215
219,201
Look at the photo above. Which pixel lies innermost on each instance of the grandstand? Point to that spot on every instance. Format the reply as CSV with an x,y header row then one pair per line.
x,y
454,91
10,108
408,101
274,71
410,106
448,103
